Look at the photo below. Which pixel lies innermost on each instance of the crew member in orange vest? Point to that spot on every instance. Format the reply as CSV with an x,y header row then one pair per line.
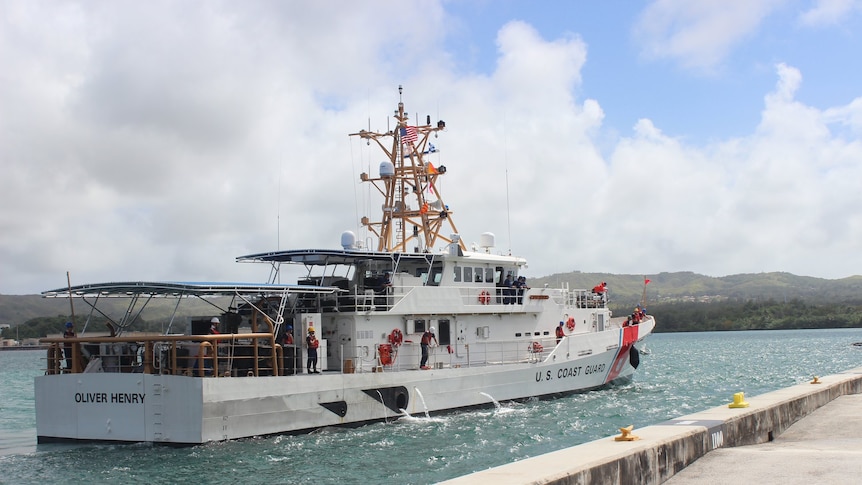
x,y
312,343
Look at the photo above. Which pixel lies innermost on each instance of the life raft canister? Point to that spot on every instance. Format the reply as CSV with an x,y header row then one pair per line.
x,y
396,337
385,351
484,297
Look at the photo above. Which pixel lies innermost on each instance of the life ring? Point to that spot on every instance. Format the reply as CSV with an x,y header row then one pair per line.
x,y
570,323
536,348
396,337
484,297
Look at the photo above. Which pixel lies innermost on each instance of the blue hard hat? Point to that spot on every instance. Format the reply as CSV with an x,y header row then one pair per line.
x,y
290,327
68,324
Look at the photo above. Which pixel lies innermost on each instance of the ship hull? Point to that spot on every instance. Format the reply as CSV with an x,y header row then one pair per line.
x,y
184,410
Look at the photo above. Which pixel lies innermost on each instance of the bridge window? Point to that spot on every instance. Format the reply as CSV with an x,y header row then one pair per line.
x,y
436,275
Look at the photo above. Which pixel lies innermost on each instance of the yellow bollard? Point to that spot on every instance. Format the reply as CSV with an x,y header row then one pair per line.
x,y
738,401
816,380
627,434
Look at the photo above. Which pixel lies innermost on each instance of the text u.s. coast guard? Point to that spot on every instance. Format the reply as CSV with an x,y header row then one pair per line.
x,y
574,371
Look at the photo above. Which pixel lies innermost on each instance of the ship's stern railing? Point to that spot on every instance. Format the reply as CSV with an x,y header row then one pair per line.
x,y
249,354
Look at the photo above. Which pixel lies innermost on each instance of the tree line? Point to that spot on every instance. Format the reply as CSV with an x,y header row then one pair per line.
x,y
40,327
767,314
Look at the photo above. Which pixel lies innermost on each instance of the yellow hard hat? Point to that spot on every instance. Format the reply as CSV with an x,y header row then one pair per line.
x,y
310,329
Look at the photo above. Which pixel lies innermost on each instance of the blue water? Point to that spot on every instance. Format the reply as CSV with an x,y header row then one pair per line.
x,y
681,374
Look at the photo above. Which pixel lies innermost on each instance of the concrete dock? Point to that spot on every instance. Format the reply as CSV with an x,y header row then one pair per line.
x,y
823,447
807,433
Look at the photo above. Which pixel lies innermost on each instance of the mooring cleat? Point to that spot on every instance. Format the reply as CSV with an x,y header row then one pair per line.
x,y
738,401
816,380
627,434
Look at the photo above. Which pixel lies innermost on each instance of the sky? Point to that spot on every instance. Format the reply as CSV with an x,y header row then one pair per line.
x,y
160,140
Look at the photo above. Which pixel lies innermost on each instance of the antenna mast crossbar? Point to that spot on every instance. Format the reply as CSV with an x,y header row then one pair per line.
x,y
404,180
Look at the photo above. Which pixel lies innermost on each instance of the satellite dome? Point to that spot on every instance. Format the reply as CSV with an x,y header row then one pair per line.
x,y
348,240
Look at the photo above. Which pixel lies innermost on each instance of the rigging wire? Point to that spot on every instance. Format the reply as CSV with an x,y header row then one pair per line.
x,y
506,171
278,208
353,182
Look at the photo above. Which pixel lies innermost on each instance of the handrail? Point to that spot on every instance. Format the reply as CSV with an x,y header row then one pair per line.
x,y
156,338
129,359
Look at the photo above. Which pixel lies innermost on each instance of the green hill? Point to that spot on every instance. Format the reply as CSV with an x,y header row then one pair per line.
x,y
625,292
688,287
17,309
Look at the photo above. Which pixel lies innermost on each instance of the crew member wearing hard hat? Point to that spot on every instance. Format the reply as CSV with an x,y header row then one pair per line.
x,y
214,326
312,343
427,337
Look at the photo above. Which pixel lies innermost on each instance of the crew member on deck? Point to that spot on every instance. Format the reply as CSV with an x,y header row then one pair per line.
x,y
521,285
312,343
214,326
601,291
508,292
205,351
560,332
427,337
385,283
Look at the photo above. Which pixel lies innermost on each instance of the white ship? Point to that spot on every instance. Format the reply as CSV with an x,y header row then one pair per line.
x,y
495,339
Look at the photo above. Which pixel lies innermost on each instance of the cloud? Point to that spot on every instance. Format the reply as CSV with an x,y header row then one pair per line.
x,y
828,12
161,140
699,35
778,199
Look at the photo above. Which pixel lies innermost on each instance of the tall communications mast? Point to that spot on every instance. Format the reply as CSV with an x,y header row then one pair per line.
x,y
414,213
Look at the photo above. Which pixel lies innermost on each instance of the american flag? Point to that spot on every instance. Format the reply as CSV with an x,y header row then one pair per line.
x,y
408,134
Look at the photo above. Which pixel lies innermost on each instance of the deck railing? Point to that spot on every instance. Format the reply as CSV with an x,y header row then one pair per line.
x,y
406,357
248,354
362,299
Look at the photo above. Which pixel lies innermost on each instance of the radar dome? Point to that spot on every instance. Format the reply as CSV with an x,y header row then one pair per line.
x,y
387,169
348,240
486,240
